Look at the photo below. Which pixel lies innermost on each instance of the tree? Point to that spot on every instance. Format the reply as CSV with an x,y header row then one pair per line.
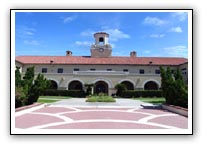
x,y
37,89
120,88
28,90
173,88
89,88
18,81
28,80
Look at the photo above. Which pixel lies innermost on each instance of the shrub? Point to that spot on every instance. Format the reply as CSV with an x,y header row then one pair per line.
x,y
71,93
120,88
173,88
20,97
100,99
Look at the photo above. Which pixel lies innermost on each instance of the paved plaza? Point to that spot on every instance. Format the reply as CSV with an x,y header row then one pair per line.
x,y
78,114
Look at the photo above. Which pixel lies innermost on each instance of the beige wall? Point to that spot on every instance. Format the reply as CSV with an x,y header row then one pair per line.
x,y
85,76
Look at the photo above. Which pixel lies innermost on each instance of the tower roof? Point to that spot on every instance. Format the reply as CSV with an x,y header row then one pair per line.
x,y
101,33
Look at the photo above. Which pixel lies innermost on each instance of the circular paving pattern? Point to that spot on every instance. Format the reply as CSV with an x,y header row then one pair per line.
x,y
68,117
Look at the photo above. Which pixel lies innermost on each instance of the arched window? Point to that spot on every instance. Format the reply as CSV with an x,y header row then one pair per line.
x,y
101,40
128,85
151,85
75,85
53,85
101,87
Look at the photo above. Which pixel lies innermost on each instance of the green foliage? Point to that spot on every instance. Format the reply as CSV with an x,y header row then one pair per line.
x,y
120,88
18,80
100,99
88,88
27,91
153,100
37,89
20,97
72,93
141,93
173,88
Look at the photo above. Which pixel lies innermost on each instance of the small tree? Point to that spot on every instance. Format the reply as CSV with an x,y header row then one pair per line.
x,y
89,88
28,80
174,89
18,81
120,88
37,89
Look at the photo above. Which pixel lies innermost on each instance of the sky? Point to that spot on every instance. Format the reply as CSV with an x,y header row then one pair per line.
x,y
150,34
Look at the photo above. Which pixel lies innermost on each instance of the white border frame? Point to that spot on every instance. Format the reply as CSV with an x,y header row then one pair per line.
x,y
102,131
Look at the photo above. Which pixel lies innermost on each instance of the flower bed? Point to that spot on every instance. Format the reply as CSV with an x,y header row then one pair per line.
x,y
100,99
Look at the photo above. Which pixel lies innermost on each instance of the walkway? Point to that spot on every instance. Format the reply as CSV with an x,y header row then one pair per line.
x,y
77,114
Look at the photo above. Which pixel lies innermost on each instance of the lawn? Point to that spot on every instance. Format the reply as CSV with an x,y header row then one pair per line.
x,y
100,99
51,99
160,100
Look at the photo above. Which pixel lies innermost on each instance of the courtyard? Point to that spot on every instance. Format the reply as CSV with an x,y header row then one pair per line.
x,y
75,113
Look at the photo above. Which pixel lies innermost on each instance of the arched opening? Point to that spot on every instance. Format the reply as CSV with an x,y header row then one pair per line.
x,y
151,86
101,40
75,85
128,85
101,87
53,85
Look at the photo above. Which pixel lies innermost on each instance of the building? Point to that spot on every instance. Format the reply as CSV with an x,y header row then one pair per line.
x,y
101,68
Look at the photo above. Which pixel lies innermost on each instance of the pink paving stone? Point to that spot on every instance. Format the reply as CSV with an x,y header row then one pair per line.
x,y
177,121
153,111
104,125
53,110
30,120
105,115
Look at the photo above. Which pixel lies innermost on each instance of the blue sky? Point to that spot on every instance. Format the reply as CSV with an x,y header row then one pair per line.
x,y
161,34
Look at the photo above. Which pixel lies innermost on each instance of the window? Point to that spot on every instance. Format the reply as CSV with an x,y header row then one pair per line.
x,y
101,40
157,71
76,69
141,71
60,70
109,69
184,71
44,70
125,70
92,69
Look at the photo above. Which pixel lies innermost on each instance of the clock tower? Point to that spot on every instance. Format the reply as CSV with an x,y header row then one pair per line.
x,y
101,48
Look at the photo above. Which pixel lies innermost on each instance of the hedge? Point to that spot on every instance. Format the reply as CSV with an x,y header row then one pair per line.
x,y
71,93
142,93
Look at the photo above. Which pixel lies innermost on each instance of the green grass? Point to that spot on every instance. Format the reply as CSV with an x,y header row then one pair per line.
x,y
55,97
51,99
160,100
46,101
100,99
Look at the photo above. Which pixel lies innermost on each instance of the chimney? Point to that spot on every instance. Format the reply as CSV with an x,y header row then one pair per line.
x,y
68,53
133,54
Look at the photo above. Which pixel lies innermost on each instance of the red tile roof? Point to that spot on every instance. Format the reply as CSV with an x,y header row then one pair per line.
x,y
110,60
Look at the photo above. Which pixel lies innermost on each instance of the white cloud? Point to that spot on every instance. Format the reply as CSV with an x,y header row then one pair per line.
x,y
83,43
178,51
157,35
31,42
154,21
176,29
25,32
69,19
116,34
146,52
181,16
87,33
